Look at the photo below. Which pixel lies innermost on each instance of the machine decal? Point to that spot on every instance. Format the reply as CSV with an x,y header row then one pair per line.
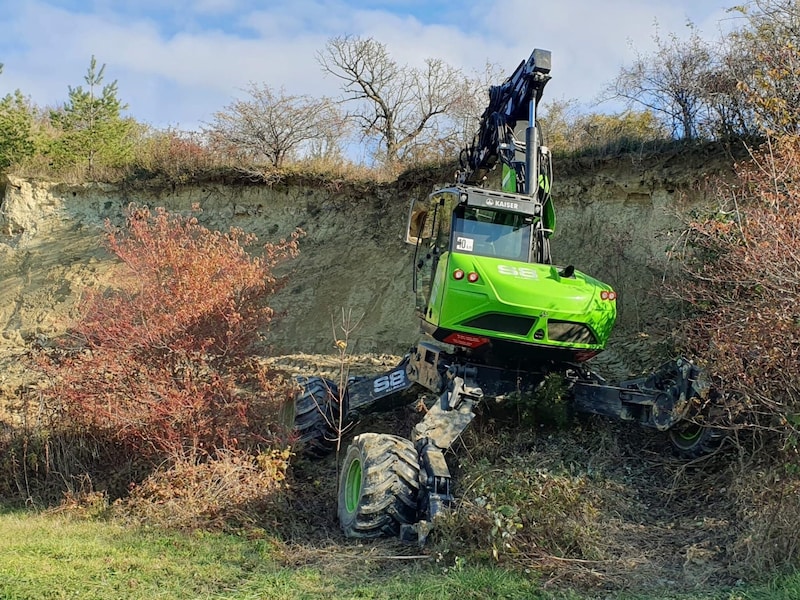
x,y
518,272
464,244
392,381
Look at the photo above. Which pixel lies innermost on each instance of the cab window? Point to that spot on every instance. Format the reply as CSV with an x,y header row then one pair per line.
x,y
486,232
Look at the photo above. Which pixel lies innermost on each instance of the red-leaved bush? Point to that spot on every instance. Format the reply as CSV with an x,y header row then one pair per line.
x,y
176,156
165,364
744,287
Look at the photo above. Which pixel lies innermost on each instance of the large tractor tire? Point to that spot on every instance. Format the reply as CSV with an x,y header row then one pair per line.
x,y
693,440
316,416
378,486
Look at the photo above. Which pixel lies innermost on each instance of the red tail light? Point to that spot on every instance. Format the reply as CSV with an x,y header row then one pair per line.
x,y
465,339
459,274
608,295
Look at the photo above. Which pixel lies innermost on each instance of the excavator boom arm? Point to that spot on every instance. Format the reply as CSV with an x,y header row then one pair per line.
x,y
512,101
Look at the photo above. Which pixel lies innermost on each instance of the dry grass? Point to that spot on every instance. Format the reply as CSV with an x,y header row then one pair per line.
x,y
766,496
234,490
598,504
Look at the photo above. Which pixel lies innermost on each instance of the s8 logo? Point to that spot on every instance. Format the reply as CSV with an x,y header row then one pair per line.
x,y
392,381
519,272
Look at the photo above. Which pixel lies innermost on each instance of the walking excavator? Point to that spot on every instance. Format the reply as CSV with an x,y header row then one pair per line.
x,y
497,317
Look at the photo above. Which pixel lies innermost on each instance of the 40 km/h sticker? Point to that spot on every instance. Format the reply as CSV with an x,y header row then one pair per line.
x,y
464,244
392,381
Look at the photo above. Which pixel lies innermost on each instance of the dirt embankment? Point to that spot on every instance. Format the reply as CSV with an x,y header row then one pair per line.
x,y
614,222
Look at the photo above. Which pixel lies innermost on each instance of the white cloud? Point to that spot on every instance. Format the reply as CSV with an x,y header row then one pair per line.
x,y
194,57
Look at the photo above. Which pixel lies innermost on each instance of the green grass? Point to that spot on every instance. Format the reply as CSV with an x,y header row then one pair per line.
x,y
52,556
56,556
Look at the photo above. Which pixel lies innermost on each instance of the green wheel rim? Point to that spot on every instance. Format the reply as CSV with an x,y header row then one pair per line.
x,y
352,486
689,434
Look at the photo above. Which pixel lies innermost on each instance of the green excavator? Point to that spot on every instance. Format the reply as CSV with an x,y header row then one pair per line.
x,y
497,317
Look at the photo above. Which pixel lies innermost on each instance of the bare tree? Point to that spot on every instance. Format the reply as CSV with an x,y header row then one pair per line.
x,y
464,116
729,111
669,82
399,106
768,65
275,126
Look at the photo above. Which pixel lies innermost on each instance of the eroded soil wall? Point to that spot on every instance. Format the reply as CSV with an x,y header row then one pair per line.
x,y
615,221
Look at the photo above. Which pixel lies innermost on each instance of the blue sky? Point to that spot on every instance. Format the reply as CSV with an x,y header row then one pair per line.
x,y
179,61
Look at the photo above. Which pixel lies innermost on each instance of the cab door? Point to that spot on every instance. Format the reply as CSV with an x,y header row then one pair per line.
x,y
429,224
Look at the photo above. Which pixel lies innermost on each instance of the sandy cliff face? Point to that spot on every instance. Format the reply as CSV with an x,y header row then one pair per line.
x,y
613,223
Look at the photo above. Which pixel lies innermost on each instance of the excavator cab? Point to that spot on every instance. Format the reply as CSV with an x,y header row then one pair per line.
x,y
486,232
483,281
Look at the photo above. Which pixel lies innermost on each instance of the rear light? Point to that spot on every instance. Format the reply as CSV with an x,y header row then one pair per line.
x,y
459,274
608,295
465,339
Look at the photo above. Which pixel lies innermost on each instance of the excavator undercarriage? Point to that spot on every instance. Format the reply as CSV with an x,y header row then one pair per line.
x,y
661,401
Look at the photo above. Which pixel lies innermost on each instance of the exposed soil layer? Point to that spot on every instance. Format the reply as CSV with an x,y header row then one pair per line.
x,y
616,221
